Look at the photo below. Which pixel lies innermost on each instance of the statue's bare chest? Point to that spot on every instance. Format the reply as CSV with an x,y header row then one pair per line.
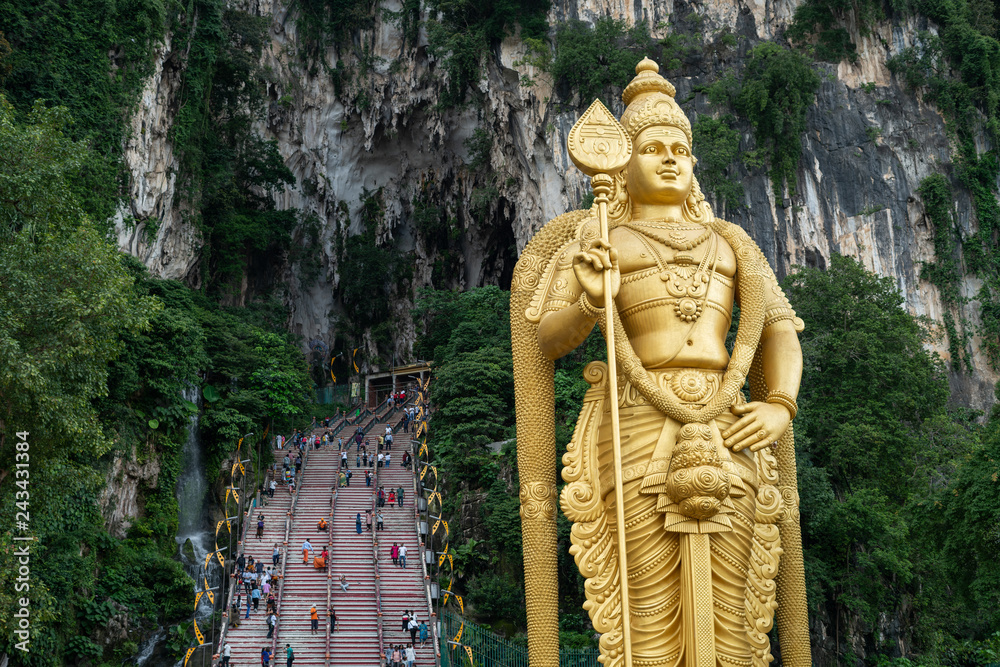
x,y
668,247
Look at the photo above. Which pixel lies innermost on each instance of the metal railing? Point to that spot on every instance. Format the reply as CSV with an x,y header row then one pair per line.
x,y
329,573
299,483
492,650
375,561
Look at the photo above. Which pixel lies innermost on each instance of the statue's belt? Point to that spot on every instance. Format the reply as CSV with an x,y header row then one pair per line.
x,y
649,435
690,386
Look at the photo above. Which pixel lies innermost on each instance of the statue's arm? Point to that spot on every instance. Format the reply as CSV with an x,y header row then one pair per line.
x,y
763,422
565,324
781,355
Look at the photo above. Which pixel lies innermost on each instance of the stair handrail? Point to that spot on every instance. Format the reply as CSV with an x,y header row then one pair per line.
x,y
284,561
375,558
431,616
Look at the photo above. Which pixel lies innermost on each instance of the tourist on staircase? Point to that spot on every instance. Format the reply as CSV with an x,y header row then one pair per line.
x,y
357,523
307,547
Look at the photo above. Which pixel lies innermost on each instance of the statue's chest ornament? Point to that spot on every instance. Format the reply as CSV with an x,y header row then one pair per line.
x,y
686,282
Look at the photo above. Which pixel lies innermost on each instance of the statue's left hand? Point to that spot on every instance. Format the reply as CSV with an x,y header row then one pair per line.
x,y
759,425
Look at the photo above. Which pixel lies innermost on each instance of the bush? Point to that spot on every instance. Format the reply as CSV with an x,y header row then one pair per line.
x,y
599,61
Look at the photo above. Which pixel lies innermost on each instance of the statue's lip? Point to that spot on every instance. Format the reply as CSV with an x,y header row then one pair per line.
x,y
668,172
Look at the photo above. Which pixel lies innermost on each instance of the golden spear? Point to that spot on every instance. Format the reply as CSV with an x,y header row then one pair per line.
x,y
600,147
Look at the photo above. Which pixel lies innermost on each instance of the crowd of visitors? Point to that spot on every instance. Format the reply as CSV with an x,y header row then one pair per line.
x,y
256,582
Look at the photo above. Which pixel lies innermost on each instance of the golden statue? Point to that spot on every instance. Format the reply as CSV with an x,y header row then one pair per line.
x,y
683,495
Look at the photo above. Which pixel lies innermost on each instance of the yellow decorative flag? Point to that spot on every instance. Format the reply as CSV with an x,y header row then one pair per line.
x,y
356,369
208,590
197,599
197,632
208,558
468,649
222,561
188,656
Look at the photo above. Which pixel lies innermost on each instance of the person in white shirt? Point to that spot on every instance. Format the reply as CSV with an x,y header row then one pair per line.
x,y
306,548
226,655
410,654
402,555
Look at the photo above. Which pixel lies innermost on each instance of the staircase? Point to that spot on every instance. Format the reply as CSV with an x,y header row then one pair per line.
x,y
402,588
250,636
304,586
356,640
361,629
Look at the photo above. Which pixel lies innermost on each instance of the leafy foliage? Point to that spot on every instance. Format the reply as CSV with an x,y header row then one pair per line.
x,y
958,70
63,293
717,145
94,355
92,57
330,23
598,61
461,33
873,470
827,21
776,90
229,173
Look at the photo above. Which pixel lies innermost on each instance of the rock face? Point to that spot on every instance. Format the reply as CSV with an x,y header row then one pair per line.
x,y
857,191
120,499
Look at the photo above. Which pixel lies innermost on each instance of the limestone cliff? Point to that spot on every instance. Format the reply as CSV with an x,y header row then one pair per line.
x,y
857,195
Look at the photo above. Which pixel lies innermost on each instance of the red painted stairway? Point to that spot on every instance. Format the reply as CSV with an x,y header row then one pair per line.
x,y
304,586
356,640
355,643
402,589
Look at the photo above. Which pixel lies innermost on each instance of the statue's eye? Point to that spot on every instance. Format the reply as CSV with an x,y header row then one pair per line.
x,y
649,150
681,150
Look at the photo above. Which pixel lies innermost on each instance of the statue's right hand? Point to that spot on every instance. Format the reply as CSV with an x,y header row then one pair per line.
x,y
589,267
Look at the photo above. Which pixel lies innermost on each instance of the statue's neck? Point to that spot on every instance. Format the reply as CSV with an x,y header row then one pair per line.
x,y
642,211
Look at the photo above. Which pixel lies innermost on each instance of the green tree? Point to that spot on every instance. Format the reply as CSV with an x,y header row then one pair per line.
x,y
65,297
598,61
871,398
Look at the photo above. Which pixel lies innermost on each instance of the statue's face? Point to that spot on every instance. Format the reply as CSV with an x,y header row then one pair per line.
x,y
660,169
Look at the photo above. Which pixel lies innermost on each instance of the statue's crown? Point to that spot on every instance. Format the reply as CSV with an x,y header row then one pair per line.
x,y
649,100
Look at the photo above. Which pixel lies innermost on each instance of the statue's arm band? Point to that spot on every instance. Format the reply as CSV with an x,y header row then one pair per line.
x,y
587,308
785,399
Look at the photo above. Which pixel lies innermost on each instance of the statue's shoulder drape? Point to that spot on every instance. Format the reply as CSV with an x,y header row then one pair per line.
x,y
536,448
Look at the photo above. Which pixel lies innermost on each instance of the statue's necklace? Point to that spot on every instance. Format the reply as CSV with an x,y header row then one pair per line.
x,y
674,239
686,283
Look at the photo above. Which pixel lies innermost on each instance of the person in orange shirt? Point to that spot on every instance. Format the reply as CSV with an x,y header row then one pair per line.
x,y
315,619
321,526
